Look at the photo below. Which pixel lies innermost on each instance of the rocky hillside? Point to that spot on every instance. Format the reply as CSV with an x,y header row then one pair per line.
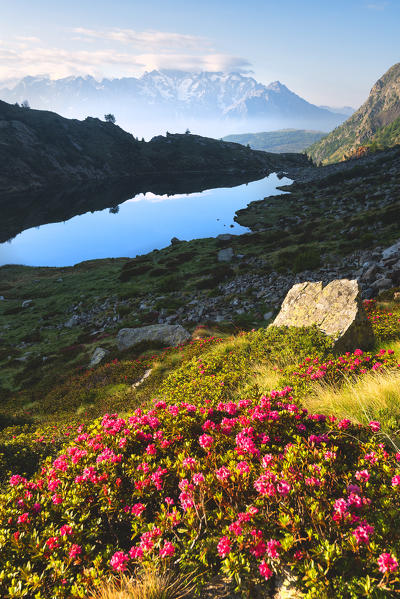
x,y
40,148
282,140
376,123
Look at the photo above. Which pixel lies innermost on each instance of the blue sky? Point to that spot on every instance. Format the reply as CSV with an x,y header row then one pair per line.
x,y
328,51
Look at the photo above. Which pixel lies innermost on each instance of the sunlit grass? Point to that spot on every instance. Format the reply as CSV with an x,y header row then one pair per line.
x,y
375,396
149,584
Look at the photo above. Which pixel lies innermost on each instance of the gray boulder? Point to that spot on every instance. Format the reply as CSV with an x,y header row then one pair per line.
x,y
393,250
225,255
336,309
98,355
27,303
166,334
382,284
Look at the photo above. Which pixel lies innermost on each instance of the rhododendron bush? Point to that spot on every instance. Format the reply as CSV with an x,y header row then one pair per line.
x,y
385,324
251,488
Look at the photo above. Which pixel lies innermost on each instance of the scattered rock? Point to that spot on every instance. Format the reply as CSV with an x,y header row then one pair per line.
x,y
225,255
167,334
382,284
393,250
98,355
175,241
268,315
141,380
27,303
72,322
336,309
1,298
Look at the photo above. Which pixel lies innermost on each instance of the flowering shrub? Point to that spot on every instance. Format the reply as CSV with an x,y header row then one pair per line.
x,y
246,487
385,324
22,448
336,368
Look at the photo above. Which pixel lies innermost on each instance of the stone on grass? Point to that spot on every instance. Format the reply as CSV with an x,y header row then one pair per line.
x,y
336,309
225,255
98,355
382,284
27,303
393,250
166,334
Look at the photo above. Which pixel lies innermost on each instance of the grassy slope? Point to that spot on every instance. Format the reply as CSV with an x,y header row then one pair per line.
x,y
283,140
300,228
241,366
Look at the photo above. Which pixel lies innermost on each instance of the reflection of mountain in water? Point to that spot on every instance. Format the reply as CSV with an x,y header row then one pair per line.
x,y
23,211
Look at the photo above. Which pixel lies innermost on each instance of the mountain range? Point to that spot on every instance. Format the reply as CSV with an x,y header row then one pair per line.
x,y
176,99
375,125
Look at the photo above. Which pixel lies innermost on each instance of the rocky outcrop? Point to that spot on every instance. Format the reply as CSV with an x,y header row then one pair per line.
x,y
336,309
164,334
381,109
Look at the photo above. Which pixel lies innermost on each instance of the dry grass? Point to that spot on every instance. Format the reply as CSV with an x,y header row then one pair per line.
x,y
375,396
149,584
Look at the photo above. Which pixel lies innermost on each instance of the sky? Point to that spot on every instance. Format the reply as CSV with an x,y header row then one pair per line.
x,y
330,52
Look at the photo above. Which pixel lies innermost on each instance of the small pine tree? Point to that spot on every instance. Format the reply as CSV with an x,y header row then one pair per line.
x,y
109,118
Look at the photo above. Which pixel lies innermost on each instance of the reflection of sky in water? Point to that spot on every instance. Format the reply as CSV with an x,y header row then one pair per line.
x,y
142,224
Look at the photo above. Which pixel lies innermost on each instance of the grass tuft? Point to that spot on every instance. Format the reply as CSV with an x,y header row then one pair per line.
x,y
149,584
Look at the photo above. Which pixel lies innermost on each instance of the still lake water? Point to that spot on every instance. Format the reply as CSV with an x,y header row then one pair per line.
x,y
143,223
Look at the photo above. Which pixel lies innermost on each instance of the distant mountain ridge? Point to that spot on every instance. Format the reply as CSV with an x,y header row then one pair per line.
x,y
375,124
173,96
282,140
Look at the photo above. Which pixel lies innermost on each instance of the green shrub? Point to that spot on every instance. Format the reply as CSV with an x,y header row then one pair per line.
x,y
249,489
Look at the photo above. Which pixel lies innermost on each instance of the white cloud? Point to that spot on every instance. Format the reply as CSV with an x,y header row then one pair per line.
x,y
183,52
377,5
152,40
28,39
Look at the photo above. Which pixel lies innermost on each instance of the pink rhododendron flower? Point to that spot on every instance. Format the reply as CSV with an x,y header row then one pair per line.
x,y
189,463
137,509
283,487
272,548
75,551
362,475
363,532
66,529
235,528
223,473
118,561
387,563
198,478
224,546
52,543
206,441
265,570
375,426
23,518
167,550
243,467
